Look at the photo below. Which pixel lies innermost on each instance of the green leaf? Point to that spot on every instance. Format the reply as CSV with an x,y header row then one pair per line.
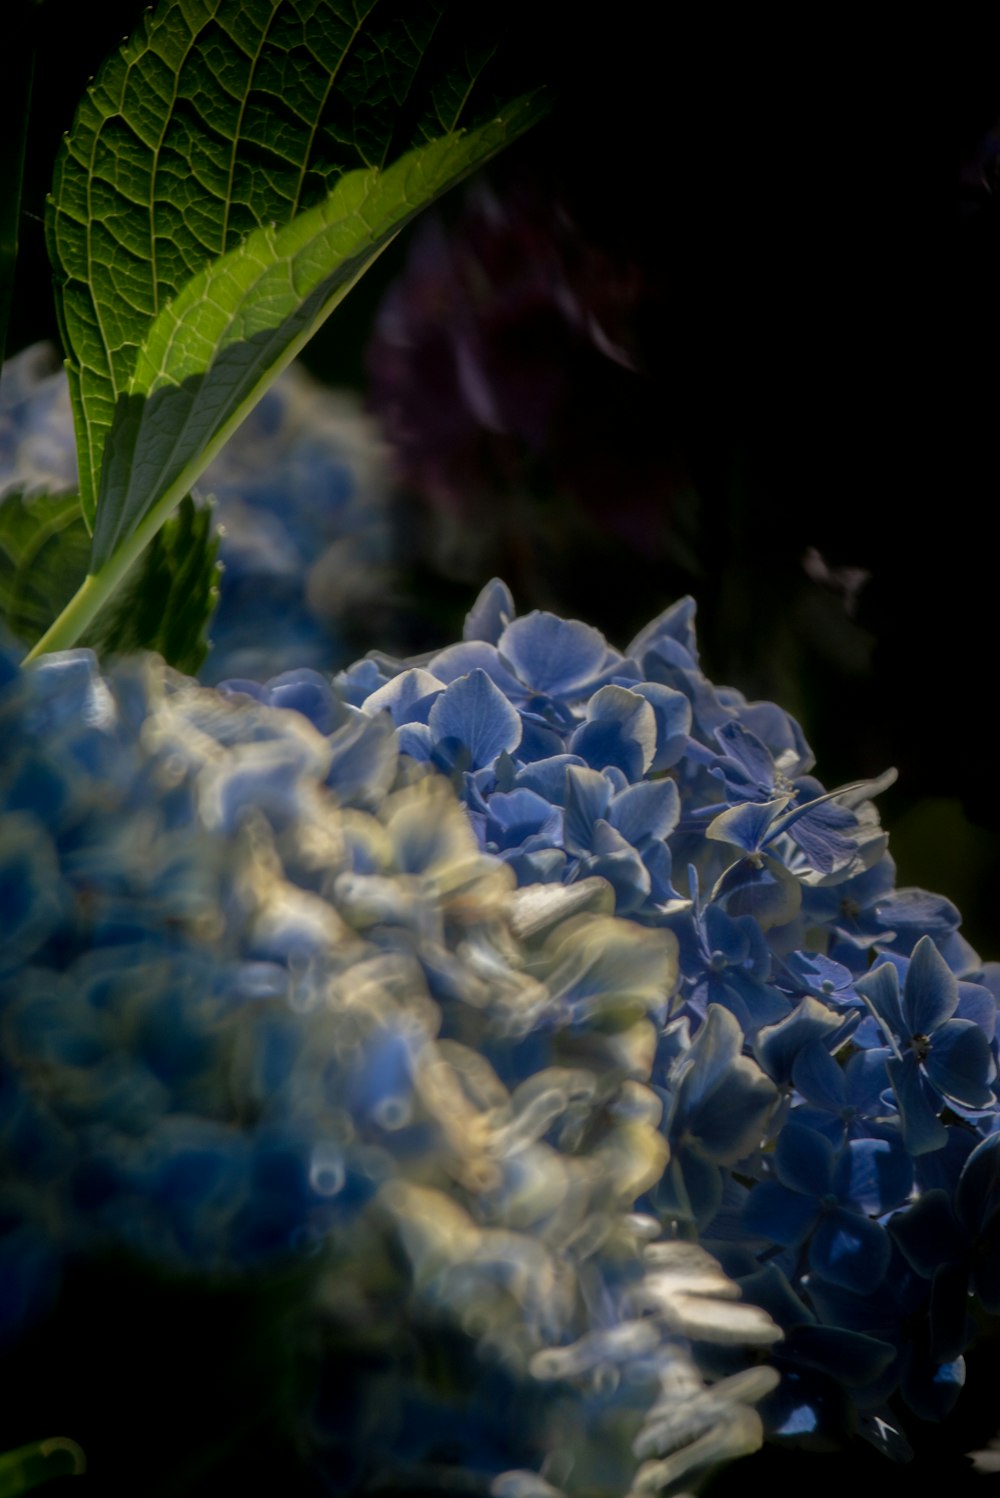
x,y
44,552
217,118
213,351
170,595
30,1466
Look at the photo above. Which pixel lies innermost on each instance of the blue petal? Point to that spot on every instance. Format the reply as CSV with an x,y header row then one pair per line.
x,y
517,815
603,744
849,1250
648,810
539,866
620,730
458,660
380,1083
746,749
354,685
588,797
780,1215
758,1003
659,865
547,777
960,1063
940,1170
746,825
976,1003
711,1057
866,1077
818,1077
307,692
821,1121
618,862
407,698
472,718
725,937
675,624
762,889
804,1160
490,614
913,913
538,740
781,733
930,994
68,689
729,1121
557,657
809,1024
416,740
881,988
921,1128
673,722
815,974
827,835
690,1187
931,1389
363,760
874,1175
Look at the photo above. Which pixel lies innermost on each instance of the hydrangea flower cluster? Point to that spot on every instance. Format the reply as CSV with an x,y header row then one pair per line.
x,y
302,499
828,1067
546,1065
265,1001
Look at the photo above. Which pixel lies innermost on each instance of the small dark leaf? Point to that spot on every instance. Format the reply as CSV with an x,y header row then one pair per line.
x,y
44,551
169,597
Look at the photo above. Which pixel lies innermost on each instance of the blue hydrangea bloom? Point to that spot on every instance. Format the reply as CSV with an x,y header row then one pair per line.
x,y
497,987
267,1009
857,1029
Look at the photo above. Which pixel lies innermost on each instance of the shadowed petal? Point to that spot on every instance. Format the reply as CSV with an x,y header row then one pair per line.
x,y
930,994
881,988
474,716
490,614
647,810
773,1211
922,1129
850,1250
874,1175
803,1160
961,1064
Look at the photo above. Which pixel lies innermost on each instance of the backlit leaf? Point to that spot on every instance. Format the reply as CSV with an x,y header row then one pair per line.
x,y
218,117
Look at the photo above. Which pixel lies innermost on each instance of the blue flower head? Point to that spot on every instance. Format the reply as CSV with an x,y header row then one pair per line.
x,y
485,984
935,1056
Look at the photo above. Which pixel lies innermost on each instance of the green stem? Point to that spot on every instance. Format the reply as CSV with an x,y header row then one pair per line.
x,y
97,587
73,620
